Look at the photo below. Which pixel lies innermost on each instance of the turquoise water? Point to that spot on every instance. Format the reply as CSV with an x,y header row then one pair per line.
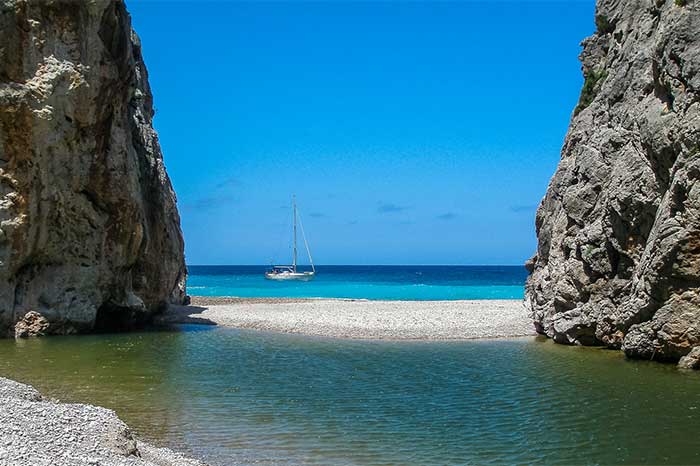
x,y
237,397
365,282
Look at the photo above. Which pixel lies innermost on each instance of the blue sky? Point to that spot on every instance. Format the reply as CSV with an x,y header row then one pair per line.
x,y
411,133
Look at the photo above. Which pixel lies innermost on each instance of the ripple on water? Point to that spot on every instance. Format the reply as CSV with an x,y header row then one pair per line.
x,y
237,397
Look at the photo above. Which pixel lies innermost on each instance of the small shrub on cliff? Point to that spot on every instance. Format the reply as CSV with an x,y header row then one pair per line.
x,y
681,2
589,90
603,24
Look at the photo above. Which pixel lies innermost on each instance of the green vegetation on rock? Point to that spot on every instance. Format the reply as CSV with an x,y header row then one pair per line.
x,y
603,24
589,90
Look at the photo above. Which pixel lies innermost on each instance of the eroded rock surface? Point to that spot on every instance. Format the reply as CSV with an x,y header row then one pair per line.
x,y
89,229
618,257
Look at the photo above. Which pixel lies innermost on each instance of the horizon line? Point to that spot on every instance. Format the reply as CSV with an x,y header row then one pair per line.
x,y
363,265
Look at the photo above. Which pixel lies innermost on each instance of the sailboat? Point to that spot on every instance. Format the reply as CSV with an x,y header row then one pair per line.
x,y
290,272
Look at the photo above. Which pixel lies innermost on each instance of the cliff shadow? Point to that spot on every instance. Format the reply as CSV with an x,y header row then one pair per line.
x,y
178,314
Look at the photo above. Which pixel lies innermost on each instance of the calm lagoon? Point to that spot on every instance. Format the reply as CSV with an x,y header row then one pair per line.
x,y
245,397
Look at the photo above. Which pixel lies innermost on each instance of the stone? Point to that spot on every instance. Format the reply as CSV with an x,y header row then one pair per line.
x,y
690,360
618,253
90,229
10,388
37,431
32,324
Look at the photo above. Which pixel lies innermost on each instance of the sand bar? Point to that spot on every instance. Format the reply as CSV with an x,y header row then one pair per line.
x,y
362,319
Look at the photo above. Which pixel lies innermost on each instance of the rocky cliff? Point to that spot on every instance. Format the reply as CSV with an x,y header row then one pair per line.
x,y
618,256
89,229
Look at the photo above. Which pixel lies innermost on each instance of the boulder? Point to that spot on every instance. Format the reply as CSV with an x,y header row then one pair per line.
x,y
690,360
32,324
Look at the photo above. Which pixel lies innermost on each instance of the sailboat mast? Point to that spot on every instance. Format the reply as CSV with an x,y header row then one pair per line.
x,y
294,210
306,244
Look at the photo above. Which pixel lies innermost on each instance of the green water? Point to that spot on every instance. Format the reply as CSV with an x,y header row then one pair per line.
x,y
235,397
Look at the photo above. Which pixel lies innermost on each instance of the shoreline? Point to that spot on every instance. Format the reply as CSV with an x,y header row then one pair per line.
x,y
37,431
360,319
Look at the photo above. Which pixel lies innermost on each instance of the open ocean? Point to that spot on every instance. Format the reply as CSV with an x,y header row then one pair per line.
x,y
395,282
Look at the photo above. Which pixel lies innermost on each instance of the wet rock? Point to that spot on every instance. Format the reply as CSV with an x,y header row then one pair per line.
x,y
618,255
90,228
690,360
32,324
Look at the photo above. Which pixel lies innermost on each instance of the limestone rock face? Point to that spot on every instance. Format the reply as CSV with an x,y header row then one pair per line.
x,y
89,230
618,256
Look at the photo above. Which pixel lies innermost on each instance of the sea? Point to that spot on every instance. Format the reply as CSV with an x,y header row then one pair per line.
x,y
243,397
396,282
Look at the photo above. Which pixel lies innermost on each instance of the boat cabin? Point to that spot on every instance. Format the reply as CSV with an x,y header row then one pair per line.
x,y
281,269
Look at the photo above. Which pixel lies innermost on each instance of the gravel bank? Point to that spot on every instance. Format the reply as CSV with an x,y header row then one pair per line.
x,y
361,319
35,431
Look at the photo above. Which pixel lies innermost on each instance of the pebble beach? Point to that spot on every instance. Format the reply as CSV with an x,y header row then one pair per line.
x,y
361,319
36,431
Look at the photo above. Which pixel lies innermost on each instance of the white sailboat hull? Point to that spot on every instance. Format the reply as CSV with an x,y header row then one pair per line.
x,y
289,272
290,276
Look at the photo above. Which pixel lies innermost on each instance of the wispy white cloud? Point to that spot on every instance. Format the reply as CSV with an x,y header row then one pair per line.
x,y
389,208
206,203
227,182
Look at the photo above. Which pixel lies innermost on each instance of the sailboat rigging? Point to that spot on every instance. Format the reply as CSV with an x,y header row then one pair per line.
x,y
290,272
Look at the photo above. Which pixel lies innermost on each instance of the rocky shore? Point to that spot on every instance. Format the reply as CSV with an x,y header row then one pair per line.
x,y
362,319
35,431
